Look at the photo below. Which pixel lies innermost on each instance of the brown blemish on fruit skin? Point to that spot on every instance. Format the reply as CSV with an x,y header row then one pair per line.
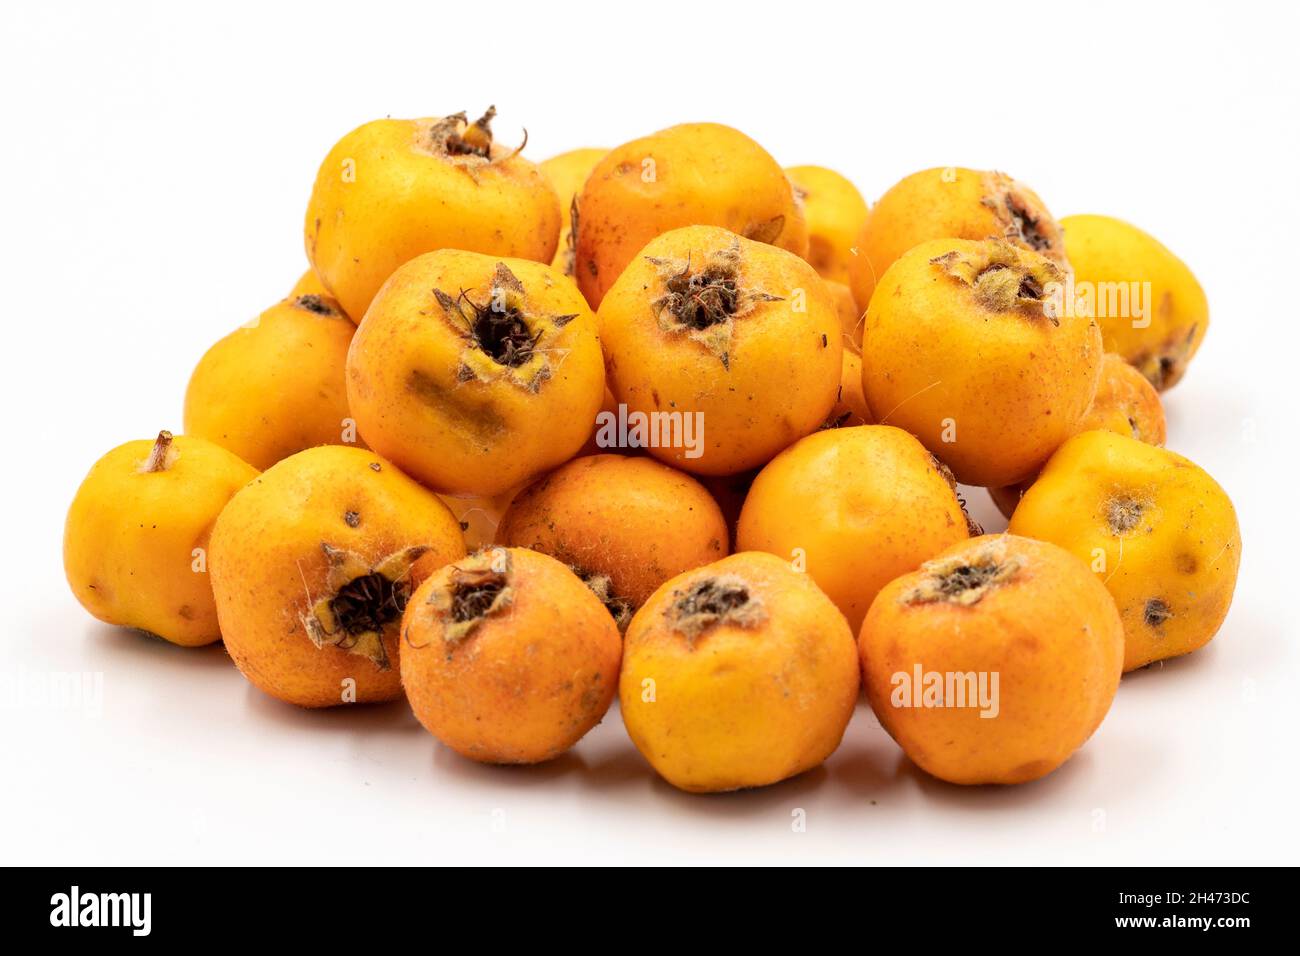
x,y
351,518
482,420
1156,612
1186,563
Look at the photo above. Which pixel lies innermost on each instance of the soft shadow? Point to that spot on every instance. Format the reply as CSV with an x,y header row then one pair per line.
x,y
128,646
391,717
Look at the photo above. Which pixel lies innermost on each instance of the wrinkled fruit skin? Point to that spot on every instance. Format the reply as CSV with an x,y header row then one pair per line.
x,y
529,678
385,195
1048,630
752,699
275,386
762,379
1106,252
130,538
567,173
955,353
835,211
1155,528
634,521
693,174
949,203
272,566
442,408
1125,403
860,505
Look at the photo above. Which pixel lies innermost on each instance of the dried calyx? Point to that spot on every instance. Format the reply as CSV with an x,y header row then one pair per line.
x,y
362,602
964,579
476,589
703,301
468,144
502,335
713,601
620,609
317,304
1123,512
1024,220
1003,277
1165,365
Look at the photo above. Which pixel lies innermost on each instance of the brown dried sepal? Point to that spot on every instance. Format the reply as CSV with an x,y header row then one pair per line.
x,y
962,579
362,602
710,602
705,302
1003,277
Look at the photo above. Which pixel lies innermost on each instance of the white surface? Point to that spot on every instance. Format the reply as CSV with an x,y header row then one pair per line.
x,y
156,162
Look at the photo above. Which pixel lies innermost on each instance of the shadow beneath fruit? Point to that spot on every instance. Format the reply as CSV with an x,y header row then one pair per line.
x,y
391,717
107,644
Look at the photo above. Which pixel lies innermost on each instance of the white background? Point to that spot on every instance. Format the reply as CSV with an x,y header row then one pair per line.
x,y
155,166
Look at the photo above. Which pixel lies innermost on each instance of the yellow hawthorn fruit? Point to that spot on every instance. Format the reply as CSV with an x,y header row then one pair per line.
x,y
835,211
696,174
309,284
394,188
851,405
624,525
311,568
1156,529
507,657
737,674
275,386
949,203
994,662
567,173
850,315
855,508
959,349
733,341
135,545
1151,309
1125,403
476,374
479,517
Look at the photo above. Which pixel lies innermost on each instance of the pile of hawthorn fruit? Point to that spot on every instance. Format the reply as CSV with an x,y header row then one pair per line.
x,y
673,423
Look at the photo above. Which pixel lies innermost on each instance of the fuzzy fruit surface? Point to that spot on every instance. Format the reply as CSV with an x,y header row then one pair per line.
x,y
395,188
738,674
135,543
1024,610
275,386
508,657
634,521
741,333
859,505
567,173
1157,530
1110,253
959,350
476,374
693,174
835,212
1125,403
311,567
949,202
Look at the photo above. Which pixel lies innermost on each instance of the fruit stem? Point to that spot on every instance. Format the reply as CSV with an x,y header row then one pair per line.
x,y
157,460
